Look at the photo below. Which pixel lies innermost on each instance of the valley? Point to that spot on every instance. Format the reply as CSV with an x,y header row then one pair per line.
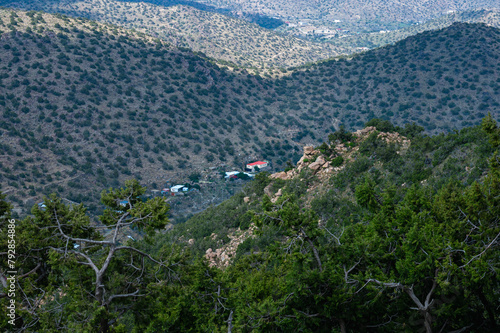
x,y
181,166
87,105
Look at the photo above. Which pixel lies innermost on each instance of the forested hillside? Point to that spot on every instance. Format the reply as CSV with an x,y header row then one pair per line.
x,y
380,209
490,17
440,79
383,229
360,14
86,105
227,39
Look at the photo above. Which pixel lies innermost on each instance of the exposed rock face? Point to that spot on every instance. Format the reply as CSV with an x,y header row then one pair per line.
x,y
279,175
223,256
363,133
276,196
267,190
308,150
394,137
323,169
320,161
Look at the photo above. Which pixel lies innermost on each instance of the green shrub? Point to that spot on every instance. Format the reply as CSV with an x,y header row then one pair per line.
x,y
337,161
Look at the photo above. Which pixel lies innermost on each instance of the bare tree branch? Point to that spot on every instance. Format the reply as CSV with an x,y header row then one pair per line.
x,y
141,253
335,237
112,297
480,254
315,251
89,260
30,272
346,273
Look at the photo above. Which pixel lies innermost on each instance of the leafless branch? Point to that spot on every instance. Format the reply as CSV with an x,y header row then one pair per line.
x,y
112,297
230,322
480,254
383,324
315,251
346,273
85,240
78,253
337,238
144,254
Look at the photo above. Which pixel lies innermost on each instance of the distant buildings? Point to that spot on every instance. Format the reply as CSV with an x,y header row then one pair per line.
x,y
42,206
178,188
231,173
237,174
257,166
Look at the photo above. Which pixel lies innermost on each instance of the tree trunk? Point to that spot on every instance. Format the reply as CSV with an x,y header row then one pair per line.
x,y
488,307
230,322
428,322
104,324
343,328
315,251
99,290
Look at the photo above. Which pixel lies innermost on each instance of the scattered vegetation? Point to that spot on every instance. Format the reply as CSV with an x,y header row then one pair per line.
x,y
233,42
86,105
419,245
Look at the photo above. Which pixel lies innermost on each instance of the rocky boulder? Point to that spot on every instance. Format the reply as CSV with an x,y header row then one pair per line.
x,y
320,161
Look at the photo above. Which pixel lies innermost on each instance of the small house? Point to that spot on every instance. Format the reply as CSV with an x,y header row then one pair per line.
x,y
255,166
176,188
231,173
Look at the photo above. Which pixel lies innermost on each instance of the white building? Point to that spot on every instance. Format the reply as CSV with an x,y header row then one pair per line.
x,y
258,164
178,188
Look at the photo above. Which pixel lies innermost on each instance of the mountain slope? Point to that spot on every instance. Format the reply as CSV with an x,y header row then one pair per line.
x,y
450,75
218,36
490,17
382,228
86,105
326,177
364,228
383,12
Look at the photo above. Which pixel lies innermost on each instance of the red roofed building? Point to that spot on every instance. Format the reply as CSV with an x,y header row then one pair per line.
x,y
257,165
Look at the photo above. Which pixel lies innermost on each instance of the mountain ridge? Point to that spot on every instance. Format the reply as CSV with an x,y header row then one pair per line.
x,y
87,105
218,36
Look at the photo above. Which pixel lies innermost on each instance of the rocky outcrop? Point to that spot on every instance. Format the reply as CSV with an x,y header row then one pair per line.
x,y
280,175
364,133
392,137
320,161
321,165
223,256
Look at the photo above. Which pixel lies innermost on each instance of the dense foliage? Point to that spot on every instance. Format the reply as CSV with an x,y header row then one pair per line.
x,y
365,254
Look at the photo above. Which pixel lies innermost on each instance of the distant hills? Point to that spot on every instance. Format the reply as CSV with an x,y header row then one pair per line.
x,y
361,14
231,40
304,33
440,79
84,105
490,17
